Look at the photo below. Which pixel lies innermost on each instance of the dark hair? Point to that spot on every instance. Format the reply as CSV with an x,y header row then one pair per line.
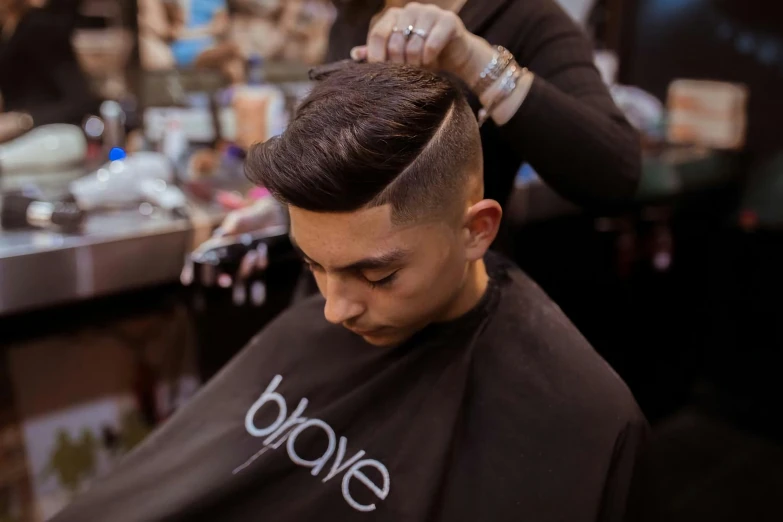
x,y
369,135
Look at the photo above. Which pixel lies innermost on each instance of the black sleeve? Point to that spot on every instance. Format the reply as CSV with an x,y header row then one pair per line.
x,y
568,128
54,53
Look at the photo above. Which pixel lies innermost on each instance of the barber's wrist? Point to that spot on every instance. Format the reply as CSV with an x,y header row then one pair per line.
x,y
481,53
503,88
506,109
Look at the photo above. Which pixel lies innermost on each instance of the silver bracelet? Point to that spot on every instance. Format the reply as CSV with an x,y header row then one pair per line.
x,y
492,71
507,86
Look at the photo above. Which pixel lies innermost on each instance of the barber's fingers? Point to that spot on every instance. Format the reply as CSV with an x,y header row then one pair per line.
x,y
230,225
397,42
225,280
261,214
237,222
239,294
187,275
440,42
247,266
378,38
359,53
262,259
255,261
445,30
425,22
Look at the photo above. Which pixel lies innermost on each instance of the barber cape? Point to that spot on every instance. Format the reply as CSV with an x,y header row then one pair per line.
x,y
505,414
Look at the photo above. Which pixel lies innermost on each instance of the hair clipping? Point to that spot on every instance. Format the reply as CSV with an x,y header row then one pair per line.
x,y
320,72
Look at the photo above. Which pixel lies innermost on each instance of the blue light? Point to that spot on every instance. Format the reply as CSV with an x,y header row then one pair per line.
x,y
117,154
768,53
666,10
745,43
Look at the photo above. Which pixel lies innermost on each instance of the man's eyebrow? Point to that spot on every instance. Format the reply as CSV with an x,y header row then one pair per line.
x,y
369,263
378,262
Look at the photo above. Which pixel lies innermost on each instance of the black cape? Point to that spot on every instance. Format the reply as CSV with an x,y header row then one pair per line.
x,y
505,414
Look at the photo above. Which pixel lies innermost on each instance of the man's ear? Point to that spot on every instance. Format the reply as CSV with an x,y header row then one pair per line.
x,y
482,221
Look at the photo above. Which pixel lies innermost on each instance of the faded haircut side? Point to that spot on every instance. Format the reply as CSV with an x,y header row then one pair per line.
x,y
370,135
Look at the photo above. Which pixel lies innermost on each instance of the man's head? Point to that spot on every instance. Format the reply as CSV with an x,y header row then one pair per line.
x,y
382,172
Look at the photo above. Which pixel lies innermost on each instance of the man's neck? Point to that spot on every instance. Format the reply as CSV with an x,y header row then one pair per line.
x,y
472,291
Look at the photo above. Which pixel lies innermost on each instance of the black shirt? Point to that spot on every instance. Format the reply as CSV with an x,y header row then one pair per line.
x,y
39,72
568,129
504,414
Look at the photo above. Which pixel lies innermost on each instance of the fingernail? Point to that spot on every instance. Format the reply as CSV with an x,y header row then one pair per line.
x,y
263,256
258,293
224,281
186,276
359,53
239,295
247,264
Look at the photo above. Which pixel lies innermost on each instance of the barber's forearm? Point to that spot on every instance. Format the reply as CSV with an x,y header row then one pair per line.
x,y
506,109
586,155
589,156
482,54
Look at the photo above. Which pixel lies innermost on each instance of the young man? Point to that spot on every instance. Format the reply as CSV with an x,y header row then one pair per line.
x,y
431,381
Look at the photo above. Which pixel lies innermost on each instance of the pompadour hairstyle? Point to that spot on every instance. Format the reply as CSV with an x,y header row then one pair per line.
x,y
370,135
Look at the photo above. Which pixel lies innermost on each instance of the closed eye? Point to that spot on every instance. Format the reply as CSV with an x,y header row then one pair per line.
x,y
386,281
374,283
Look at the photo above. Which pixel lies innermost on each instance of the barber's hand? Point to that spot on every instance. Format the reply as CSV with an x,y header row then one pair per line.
x,y
265,213
439,41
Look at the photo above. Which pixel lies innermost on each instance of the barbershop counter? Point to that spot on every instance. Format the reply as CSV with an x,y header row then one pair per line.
x,y
116,252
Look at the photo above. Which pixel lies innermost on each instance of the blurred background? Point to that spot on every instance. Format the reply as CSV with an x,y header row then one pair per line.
x,y
123,125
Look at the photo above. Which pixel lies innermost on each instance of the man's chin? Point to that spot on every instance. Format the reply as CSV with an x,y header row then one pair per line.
x,y
383,337
380,341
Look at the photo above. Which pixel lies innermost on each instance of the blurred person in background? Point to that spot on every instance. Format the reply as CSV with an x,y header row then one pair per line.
x,y
290,30
188,33
560,118
40,78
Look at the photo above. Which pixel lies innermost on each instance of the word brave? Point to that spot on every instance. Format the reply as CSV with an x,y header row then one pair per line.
x,y
286,430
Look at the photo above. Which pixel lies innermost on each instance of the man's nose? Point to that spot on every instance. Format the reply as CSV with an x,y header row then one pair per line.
x,y
340,305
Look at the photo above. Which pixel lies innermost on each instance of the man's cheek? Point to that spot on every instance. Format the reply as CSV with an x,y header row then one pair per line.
x,y
410,292
415,303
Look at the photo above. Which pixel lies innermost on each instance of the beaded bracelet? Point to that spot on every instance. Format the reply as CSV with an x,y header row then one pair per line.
x,y
500,61
507,86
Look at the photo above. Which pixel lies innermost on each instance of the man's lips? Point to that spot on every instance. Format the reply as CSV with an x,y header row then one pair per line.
x,y
365,333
